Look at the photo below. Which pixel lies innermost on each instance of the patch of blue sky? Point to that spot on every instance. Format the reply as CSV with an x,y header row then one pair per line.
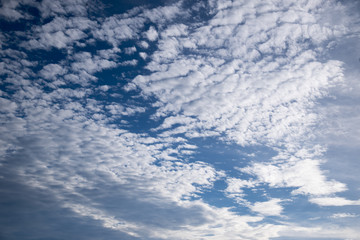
x,y
122,6
229,156
346,159
215,196
298,209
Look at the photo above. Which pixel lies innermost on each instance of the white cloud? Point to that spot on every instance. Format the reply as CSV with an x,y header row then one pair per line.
x,y
51,71
115,159
107,220
91,64
104,88
250,75
10,10
143,44
268,208
117,109
303,174
175,31
82,67
328,231
133,62
117,29
151,34
164,15
234,101
343,215
143,55
109,54
235,188
130,50
118,167
52,8
59,33
223,224
333,201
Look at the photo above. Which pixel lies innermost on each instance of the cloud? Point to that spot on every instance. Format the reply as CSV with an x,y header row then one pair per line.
x,y
119,28
175,31
235,188
50,8
268,208
144,44
56,141
224,225
51,71
250,77
59,33
334,201
9,11
249,74
328,231
130,50
343,215
151,34
303,174
233,101
163,15
143,55
84,61
117,185
341,113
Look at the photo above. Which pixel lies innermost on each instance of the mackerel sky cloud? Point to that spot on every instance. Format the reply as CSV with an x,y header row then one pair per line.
x,y
179,120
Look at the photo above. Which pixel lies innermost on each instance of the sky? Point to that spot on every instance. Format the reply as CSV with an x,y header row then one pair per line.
x,y
204,120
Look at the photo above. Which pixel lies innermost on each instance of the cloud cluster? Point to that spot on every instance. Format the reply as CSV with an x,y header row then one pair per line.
x,y
244,81
246,72
303,174
110,174
250,75
56,139
60,33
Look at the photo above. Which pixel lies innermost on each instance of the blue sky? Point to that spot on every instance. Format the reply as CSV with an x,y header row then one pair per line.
x,y
179,119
